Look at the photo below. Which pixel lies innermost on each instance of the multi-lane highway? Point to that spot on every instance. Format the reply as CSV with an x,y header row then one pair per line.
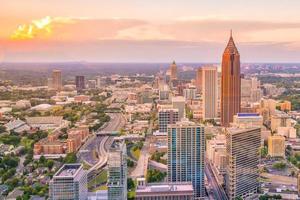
x,y
95,151
218,191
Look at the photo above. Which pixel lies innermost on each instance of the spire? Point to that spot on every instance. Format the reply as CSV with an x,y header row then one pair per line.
x,y
174,62
231,48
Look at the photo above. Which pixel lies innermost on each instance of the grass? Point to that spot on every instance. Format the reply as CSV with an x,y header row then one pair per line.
x,y
131,195
135,153
102,187
100,179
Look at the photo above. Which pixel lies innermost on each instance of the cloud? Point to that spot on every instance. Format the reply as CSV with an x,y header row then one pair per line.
x,y
124,40
63,28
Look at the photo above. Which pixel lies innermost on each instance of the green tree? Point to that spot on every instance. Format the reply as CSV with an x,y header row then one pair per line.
x,y
130,184
70,158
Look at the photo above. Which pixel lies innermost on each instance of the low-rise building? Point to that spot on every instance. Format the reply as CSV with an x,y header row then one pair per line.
x,y
276,146
162,191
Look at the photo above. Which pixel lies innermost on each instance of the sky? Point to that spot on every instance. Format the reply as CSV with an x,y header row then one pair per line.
x,y
148,31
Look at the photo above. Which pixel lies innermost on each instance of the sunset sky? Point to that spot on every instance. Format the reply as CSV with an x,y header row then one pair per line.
x,y
148,30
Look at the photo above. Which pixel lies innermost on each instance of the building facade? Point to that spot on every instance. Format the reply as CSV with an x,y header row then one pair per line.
x,y
242,147
56,80
69,183
80,83
117,171
166,117
231,83
186,146
276,146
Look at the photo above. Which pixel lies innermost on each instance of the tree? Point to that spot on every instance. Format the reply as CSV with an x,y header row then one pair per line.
x,y
2,129
70,158
49,164
130,184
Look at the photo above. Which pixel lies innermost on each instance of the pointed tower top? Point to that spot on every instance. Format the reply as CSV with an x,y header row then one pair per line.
x,y
174,62
231,48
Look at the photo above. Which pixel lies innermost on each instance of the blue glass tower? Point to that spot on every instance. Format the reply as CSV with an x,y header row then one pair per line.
x,y
186,146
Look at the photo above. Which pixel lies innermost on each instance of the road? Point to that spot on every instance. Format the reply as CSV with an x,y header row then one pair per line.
x,y
218,191
99,144
117,121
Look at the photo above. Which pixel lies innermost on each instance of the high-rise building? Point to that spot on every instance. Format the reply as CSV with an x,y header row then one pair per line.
x,y
70,182
166,117
207,84
231,83
80,83
190,93
56,80
242,147
276,146
117,171
173,71
179,103
186,146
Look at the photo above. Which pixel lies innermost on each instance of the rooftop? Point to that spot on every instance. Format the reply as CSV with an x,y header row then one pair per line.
x,y
68,170
167,187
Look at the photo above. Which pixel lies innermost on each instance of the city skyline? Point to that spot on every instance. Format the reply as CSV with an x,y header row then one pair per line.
x,y
128,32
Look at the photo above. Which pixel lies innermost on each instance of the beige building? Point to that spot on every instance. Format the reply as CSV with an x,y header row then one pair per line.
x,y
280,119
56,80
244,120
207,85
276,146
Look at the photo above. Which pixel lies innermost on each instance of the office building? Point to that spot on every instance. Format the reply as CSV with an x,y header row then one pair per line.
x,y
163,191
70,182
186,146
250,90
173,71
190,93
56,80
231,83
207,84
280,119
80,83
164,92
247,120
117,171
179,103
242,146
276,146
166,117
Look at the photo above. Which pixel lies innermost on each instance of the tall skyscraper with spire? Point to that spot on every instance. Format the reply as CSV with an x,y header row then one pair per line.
x,y
231,83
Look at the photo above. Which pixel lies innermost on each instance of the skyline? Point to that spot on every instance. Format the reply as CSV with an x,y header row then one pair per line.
x,y
135,31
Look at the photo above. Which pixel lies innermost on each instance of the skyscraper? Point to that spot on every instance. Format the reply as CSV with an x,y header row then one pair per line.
x,y
179,103
173,71
186,146
231,83
117,171
242,147
70,182
165,117
207,84
80,83
56,80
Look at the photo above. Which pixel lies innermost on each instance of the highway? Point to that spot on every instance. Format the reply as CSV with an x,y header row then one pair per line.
x,y
99,144
117,121
218,191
